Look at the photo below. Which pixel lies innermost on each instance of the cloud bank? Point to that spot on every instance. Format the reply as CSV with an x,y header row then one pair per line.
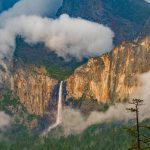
x,y
66,36
144,94
31,7
74,122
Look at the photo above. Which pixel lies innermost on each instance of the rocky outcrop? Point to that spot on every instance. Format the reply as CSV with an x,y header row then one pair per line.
x,y
125,18
112,76
34,88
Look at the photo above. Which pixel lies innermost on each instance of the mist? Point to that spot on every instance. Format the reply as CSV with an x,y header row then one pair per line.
x,y
4,120
144,94
74,122
28,7
66,36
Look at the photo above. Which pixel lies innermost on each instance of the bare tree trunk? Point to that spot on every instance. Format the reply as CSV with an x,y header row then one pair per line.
x,y
138,129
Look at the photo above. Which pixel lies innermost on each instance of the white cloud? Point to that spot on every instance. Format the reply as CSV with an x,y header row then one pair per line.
x,y
4,120
74,122
31,7
144,94
65,35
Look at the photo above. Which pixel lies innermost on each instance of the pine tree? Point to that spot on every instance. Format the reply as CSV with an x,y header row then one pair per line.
x,y
141,140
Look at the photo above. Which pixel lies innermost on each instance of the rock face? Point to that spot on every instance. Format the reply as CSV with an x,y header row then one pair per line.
x,y
111,77
34,88
107,78
125,18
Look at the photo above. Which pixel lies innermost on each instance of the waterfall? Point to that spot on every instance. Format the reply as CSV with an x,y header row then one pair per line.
x,y
59,111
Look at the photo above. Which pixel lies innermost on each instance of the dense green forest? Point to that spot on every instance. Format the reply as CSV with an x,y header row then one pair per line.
x,y
105,136
98,137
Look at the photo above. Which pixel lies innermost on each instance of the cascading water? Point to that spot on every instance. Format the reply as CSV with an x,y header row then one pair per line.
x,y
59,111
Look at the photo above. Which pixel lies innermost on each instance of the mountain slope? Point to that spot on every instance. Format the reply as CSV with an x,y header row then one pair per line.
x,y
57,67
112,76
125,18
107,78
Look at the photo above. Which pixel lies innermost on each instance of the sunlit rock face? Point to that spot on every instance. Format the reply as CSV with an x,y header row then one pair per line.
x,y
112,76
34,88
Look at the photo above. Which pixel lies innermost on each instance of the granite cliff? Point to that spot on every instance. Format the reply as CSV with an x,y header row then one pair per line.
x,y
34,88
111,77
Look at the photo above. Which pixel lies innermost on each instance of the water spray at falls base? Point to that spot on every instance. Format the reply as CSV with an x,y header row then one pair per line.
x,y
59,111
